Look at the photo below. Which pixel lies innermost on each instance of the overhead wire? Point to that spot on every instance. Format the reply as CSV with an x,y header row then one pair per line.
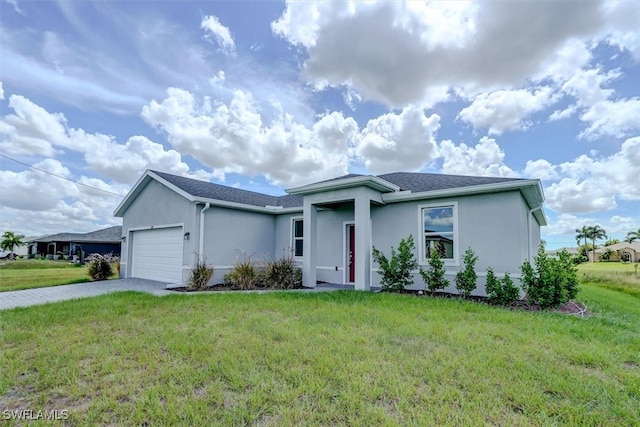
x,y
61,177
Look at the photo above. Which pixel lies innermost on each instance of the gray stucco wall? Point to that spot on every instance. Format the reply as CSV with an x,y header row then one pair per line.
x,y
158,206
229,233
493,225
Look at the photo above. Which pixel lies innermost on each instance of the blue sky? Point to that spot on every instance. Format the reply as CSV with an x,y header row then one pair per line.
x,y
270,95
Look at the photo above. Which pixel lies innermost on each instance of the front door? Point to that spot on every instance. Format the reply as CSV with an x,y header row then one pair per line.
x,y
351,253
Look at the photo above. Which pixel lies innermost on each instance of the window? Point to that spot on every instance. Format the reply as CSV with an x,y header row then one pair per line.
x,y
439,231
297,237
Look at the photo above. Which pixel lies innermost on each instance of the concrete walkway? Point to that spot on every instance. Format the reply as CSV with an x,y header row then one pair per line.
x,y
37,296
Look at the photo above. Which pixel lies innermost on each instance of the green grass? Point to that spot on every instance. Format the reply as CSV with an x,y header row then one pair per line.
x,y
28,274
343,358
612,275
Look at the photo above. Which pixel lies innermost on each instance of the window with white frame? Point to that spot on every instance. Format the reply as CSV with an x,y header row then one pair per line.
x,y
439,231
297,237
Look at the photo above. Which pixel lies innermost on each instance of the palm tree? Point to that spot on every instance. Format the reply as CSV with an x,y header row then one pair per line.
x,y
10,240
596,233
632,235
582,233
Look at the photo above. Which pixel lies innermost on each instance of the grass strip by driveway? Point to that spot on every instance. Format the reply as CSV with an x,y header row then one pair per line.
x,y
29,274
341,358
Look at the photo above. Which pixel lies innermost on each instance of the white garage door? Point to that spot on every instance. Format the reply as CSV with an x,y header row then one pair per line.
x,y
157,254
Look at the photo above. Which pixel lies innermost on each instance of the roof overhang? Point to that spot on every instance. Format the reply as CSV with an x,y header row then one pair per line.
x,y
531,191
149,176
137,188
373,182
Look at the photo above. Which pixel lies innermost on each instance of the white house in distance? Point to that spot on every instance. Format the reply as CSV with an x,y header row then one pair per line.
x,y
330,226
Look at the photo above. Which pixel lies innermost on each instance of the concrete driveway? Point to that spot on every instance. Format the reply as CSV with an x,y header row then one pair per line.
x,y
37,296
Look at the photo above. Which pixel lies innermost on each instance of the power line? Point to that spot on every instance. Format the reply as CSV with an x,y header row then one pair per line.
x,y
61,177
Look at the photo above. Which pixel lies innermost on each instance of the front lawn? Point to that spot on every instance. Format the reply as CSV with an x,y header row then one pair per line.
x,y
623,277
341,358
31,273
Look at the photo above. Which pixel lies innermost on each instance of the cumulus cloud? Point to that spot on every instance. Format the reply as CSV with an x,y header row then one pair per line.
x,y
592,184
486,159
394,142
393,52
33,131
1,92
506,110
622,32
540,169
211,24
611,118
234,138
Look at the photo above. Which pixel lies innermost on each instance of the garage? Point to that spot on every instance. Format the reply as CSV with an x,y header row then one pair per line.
x,y
157,254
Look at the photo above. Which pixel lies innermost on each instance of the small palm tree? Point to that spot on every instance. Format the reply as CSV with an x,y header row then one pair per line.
x,y
596,233
582,233
10,240
633,235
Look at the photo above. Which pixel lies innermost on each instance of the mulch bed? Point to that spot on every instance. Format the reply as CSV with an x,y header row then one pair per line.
x,y
570,307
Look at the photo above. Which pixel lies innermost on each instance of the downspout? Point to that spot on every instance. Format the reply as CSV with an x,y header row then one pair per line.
x,y
201,242
529,229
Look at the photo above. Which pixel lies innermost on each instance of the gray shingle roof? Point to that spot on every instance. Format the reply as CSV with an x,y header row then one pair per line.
x,y
105,235
419,182
208,190
414,182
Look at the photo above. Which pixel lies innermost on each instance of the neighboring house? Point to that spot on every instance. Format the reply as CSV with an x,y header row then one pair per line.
x,y
102,241
330,226
623,251
553,253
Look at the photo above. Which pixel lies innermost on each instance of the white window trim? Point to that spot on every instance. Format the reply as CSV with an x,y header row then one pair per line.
x,y
293,236
422,259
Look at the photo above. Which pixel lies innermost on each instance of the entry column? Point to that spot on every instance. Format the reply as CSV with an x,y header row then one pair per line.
x,y
309,245
362,216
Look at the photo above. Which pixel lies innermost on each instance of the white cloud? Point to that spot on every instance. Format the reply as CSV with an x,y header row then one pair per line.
x,y
592,184
567,224
565,62
485,159
540,169
587,86
234,138
33,131
622,29
394,52
506,110
397,142
1,92
611,118
221,33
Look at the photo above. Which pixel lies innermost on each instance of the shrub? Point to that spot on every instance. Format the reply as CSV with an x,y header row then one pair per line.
x,y
100,266
433,276
551,282
244,275
282,273
501,292
396,273
200,274
467,277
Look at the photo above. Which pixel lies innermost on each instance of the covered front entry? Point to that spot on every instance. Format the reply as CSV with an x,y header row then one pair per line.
x,y
362,191
157,254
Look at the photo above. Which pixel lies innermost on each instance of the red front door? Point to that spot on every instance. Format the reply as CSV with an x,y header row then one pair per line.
x,y
352,253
